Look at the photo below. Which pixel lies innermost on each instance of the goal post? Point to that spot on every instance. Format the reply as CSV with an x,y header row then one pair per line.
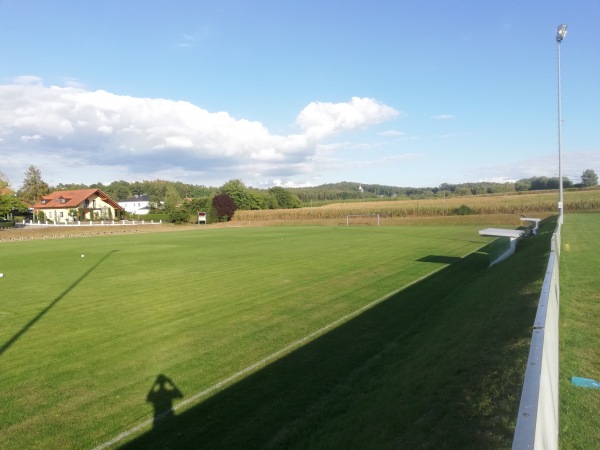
x,y
371,219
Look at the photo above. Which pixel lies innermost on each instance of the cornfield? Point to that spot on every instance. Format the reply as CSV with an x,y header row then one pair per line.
x,y
526,204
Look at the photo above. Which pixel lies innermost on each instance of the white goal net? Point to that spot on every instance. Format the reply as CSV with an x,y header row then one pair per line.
x,y
363,219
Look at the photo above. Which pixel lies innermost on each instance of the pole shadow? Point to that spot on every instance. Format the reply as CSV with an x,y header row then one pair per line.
x,y
42,313
440,259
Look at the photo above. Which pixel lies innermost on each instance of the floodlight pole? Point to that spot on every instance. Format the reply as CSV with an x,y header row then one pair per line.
x,y
561,32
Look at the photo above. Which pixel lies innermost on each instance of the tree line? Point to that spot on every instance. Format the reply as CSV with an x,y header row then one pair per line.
x,y
181,200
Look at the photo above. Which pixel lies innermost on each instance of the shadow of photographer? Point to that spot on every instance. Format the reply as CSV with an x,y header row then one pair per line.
x,y
162,394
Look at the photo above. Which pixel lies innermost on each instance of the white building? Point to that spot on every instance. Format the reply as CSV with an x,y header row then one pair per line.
x,y
138,204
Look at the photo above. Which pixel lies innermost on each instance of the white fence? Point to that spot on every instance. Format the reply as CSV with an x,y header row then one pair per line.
x,y
537,422
87,223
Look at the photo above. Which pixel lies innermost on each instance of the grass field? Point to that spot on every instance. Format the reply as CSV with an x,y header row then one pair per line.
x,y
580,331
438,364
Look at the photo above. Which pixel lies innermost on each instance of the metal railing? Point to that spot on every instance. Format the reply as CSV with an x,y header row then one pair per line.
x,y
537,421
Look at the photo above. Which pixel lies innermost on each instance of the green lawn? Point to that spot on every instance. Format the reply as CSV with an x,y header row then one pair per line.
x,y
438,364
580,331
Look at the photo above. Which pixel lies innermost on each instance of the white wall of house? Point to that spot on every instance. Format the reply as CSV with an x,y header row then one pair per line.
x,y
136,205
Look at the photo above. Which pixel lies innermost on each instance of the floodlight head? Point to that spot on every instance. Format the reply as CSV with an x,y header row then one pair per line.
x,y
561,32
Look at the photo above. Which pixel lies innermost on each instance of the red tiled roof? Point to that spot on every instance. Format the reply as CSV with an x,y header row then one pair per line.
x,y
72,199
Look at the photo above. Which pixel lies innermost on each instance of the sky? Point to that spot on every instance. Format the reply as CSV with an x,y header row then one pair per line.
x,y
297,92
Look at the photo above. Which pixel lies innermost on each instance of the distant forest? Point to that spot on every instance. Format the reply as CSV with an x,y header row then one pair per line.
x,y
278,197
179,200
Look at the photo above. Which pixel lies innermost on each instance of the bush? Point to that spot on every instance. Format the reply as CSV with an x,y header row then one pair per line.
x,y
178,216
155,217
463,210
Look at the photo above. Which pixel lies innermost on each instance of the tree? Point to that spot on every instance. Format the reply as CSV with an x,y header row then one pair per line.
x,y
224,206
538,183
33,185
201,204
201,191
172,199
567,183
3,180
155,189
522,185
173,206
241,195
9,204
554,183
285,199
118,190
69,187
137,188
462,191
589,178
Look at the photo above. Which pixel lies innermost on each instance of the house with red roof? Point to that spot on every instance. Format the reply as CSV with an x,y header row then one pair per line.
x,y
82,204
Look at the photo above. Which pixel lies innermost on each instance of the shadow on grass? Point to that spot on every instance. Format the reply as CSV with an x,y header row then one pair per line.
x,y
438,365
53,303
440,259
161,395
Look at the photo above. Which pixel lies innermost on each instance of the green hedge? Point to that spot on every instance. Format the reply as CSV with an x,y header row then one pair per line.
x,y
155,217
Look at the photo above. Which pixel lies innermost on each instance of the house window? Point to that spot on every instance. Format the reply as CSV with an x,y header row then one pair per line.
x,y
62,200
61,214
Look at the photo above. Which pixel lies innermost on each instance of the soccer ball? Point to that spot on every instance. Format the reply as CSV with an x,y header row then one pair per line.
x,y
1,275
82,255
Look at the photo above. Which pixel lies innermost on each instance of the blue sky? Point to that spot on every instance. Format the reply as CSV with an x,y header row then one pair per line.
x,y
296,93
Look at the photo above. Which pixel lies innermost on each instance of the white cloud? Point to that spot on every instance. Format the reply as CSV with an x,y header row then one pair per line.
x,y
319,120
443,117
35,137
28,79
392,133
73,82
66,130
187,41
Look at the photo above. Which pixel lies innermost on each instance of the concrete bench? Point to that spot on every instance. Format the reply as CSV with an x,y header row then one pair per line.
x,y
512,235
533,220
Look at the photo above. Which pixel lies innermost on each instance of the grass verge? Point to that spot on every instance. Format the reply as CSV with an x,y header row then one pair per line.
x,y
580,333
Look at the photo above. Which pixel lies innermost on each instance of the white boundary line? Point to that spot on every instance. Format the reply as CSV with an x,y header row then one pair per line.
x,y
269,358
